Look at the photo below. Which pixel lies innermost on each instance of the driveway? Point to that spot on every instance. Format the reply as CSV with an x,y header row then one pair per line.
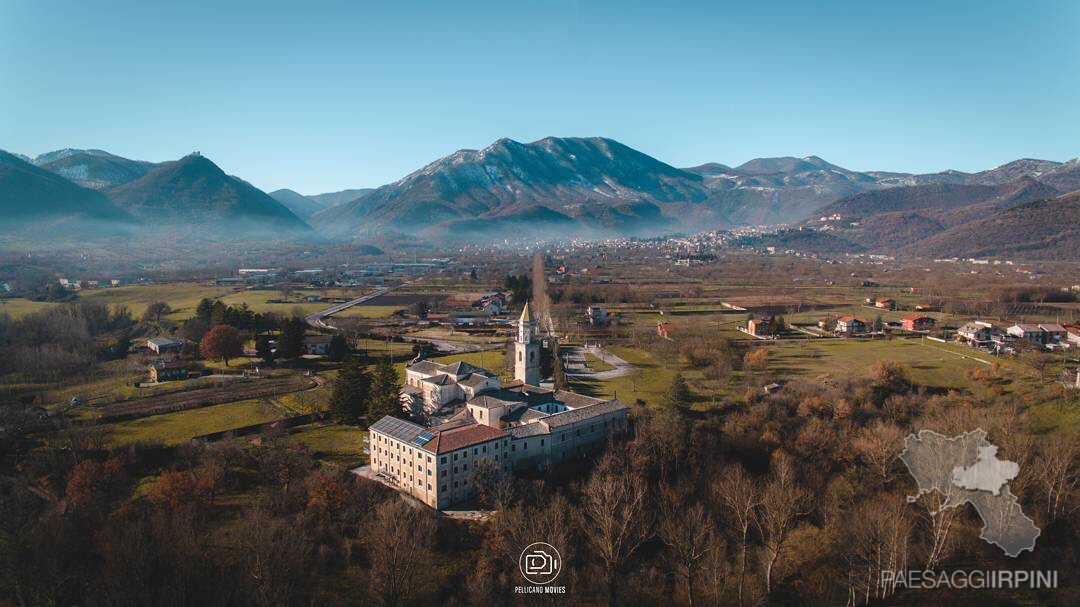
x,y
575,365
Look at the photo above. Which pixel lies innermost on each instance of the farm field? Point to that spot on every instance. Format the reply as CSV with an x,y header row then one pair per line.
x,y
17,306
175,428
365,311
925,364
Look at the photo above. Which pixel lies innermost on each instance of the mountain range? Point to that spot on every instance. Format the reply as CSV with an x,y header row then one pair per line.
x,y
555,186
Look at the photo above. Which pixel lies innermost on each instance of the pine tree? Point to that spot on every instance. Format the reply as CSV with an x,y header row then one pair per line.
x,y
291,341
385,391
204,310
338,350
678,394
352,391
263,350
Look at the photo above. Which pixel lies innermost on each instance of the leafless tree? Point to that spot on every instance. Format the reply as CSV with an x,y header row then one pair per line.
x,y
616,519
878,447
688,531
1056,471
740,496
400,541
783,502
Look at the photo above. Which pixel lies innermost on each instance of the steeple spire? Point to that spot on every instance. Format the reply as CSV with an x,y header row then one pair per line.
x,y
526,313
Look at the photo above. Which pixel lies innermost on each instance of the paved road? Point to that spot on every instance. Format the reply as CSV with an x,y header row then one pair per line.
x,y
575,364
316,319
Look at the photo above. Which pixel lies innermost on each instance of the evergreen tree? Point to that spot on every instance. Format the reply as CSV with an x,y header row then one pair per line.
x,y
678,394
878,324
338,349
291,342
385,391
263,349
204,310
558,374
352,391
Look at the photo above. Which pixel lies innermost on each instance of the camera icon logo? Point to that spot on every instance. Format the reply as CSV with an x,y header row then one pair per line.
x,y
540,563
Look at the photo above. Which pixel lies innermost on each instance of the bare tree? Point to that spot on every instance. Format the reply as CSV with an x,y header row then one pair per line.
x,y
740,496
689,534
878,446
616,519
783,502
1057,473
400,541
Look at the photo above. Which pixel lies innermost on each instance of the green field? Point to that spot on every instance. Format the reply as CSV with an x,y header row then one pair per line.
x,y
928,363
363,311
18,306
175,428
334,443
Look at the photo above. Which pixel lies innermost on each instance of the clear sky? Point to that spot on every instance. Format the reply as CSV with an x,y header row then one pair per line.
x,y
320,96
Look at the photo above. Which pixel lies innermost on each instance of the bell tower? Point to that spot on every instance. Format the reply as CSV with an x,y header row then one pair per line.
x,y
527,349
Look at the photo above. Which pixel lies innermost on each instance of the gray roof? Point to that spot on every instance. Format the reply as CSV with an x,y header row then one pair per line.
x,y
439,380
497,398
425,366
474,379
973,327
397,428
575,400
165,341
525,430
576,415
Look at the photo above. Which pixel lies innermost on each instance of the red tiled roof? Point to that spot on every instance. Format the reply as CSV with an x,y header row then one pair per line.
x,y
465,436
850,318
916,317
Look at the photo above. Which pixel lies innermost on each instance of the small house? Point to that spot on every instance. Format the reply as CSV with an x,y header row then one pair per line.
x,y
162,345
1028,332
977,332
850,325
162,371
758,327
663,329
317,344
597,316
918,322
885,304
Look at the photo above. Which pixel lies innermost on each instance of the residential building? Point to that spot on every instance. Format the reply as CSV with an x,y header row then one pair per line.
x,y
918,322
163,371
597,316
885,304
758,327
316,344
663,329
485,426
977,332
850,325
162,345
1029,332
1053,333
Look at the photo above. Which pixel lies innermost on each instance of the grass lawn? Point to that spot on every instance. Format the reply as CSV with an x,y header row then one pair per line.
x,y
175,428
182,298
649,383
334,443
926,365
362,311
596,364
18,306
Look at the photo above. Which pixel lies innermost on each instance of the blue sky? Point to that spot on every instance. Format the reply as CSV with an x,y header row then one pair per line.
x,y
320,96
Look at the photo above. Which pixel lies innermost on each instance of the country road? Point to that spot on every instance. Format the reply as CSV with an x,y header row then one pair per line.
x,y
316,319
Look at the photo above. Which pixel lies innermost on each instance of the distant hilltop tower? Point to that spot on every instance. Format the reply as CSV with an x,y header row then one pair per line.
x,y
527,350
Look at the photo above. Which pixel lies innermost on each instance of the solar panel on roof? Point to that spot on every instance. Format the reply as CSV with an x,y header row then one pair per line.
x,y
423,438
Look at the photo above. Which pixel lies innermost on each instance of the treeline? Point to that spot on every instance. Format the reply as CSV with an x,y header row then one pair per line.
x,y
63,341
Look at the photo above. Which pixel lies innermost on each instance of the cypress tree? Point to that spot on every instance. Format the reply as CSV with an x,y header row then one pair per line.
x,y
352,391
385,391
